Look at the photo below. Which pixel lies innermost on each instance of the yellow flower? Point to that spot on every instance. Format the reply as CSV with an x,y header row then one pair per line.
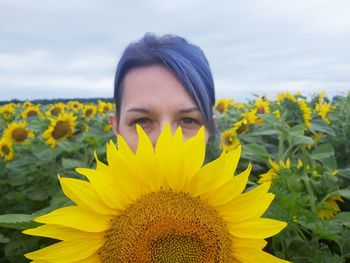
x,y
160,206
17,133
277,113
27,104
89,111
239,105
251,117
56,109
75,105
331,207
300,164
222,105
31,110
273,171
315,139
7,111
262,106
306,112
6,150
104,107
107,127
285,96
60,128
241,126
268,176
229,140
323,110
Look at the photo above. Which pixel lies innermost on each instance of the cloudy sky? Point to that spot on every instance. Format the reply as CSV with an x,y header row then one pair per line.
x,y
69,48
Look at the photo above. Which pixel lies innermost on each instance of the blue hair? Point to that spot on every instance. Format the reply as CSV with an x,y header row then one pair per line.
x,y
187,62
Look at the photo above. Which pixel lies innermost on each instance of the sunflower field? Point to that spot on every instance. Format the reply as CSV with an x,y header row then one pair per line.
x,y
299,146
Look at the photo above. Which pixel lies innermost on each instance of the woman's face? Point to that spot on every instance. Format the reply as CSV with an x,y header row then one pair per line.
x,y
152,97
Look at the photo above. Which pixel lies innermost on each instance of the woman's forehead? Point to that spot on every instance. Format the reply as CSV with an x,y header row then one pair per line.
x,y
152,86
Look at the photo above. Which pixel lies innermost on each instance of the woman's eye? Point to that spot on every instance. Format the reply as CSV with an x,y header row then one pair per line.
x,y
142,121
189,121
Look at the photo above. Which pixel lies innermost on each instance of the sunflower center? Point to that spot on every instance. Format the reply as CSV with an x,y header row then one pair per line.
x,y
167,227
88,112
221,107
19,134
32,113
5,149
56,111
62,128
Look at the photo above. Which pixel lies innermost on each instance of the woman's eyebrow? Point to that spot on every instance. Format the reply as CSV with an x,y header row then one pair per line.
x,y
188,110
143,110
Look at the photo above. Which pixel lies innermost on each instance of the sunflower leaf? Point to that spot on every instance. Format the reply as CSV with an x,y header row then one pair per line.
x,y
17,221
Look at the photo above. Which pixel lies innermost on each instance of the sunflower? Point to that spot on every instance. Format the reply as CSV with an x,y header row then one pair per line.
x,y
56,109
75,105
31,110
89,111
60,128
330,207
160,206
222,105
8,111
104,107
229,140
262,106
269,176
17,133
6,150
280,97
251,117
306,111
323,109
27,104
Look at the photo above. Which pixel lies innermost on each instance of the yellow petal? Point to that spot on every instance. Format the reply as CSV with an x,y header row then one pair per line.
x,y
62,233
151,176
71,217
67,251
272,259
114,194
210,176
250,255
260,228
242,211
194,155
83,194
230,189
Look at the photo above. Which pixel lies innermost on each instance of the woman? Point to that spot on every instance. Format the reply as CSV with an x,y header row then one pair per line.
x,y
163,80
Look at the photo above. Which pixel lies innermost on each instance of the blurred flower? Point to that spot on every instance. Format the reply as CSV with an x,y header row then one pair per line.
x,y
330,208
222,105
17,133
229,140
89,111
262,106
60,128
56,109
6,150
31,111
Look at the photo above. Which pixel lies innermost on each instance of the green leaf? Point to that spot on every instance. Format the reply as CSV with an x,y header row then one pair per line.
x,y
17,221
300,139
344,193
3,239
323,128
68,146
344,217
323,151
255,149
72,163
